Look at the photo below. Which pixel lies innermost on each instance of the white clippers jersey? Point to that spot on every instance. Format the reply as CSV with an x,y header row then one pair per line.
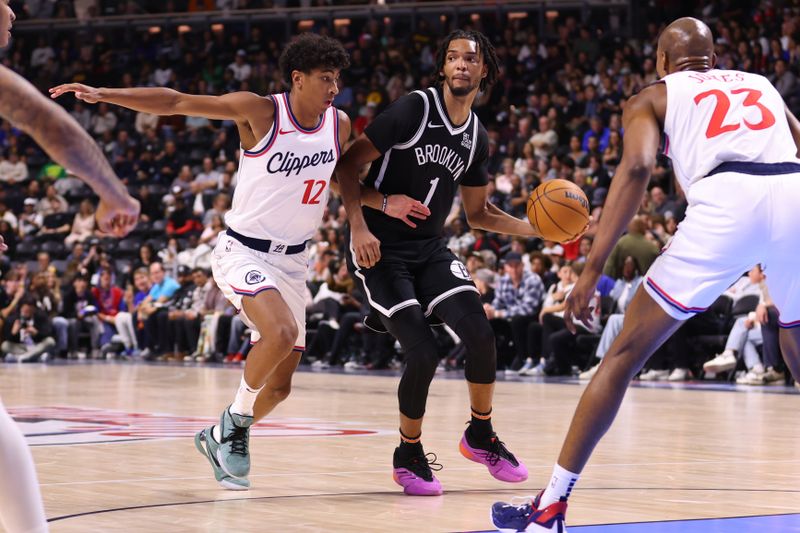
x,y
283,181
723,115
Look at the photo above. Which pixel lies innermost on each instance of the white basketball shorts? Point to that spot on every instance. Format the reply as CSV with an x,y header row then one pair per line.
x,y
240,271
735,220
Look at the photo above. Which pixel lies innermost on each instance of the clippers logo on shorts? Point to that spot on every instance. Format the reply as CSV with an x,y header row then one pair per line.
x,y
458,269
58,426
254,277
279,248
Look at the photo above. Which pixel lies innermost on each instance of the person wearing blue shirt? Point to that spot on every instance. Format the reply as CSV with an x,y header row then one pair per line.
x,y
153,309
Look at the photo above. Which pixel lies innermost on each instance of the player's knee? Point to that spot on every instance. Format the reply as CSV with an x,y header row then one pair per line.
x,y
422,358
279,392
478,337
283,335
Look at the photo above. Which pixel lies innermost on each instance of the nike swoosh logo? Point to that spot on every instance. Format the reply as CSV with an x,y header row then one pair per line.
x,y
283,132
432,125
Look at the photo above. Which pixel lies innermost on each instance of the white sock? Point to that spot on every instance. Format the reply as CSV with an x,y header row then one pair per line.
x,y
21,506
560,486
245,399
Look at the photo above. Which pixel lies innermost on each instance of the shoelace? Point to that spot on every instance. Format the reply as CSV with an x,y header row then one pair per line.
x,y
497,450
238,440
423,464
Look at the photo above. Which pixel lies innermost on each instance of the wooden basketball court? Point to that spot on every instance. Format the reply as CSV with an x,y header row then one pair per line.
x,y
114,449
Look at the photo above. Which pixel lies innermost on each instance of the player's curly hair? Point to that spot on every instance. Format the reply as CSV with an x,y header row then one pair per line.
x,y
309,51
485,48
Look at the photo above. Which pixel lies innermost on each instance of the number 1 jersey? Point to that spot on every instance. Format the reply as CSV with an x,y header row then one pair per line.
x,y
723,115
425,157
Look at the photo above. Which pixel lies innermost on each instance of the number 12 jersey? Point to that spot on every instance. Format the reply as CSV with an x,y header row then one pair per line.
x,y
723,115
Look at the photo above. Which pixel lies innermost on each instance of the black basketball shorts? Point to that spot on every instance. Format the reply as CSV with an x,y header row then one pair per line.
x,y
410,273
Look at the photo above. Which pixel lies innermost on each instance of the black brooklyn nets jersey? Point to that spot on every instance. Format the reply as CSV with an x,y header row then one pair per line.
x,y
425,157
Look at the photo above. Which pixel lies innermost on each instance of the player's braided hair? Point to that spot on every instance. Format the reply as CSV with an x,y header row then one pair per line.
x,y
485,48
309,51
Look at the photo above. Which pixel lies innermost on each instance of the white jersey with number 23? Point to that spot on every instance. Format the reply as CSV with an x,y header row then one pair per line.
x,y
720,116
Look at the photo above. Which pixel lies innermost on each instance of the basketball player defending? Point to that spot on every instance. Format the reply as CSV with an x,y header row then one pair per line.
x,y
427,145
290,145
734,148
67,143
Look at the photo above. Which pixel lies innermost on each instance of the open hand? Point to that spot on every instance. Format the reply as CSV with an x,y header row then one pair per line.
x,y
90,95
402,206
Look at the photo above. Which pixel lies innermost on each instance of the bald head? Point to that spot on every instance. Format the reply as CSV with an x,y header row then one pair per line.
x,y
686,44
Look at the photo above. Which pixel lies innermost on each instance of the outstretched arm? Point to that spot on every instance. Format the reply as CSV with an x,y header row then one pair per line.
x,y
486,216
69,145
163,101
642,136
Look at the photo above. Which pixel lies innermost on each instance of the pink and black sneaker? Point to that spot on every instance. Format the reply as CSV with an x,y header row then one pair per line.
x,y
415,475
494,455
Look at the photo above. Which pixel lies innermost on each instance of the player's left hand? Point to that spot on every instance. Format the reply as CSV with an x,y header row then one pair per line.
x,y
402,206
577,305
367,247
117,217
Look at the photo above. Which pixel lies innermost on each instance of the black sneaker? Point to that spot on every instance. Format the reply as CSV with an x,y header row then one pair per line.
x,y
415,475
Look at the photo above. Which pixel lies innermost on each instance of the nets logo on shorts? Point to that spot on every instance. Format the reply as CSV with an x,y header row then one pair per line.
x,y
458,269
253,277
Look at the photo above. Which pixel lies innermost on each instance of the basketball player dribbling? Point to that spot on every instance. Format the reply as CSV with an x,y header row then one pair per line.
x,y
290,145
117,213
427,146
734,145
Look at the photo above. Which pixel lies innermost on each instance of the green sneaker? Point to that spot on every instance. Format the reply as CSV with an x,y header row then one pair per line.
x,y
205,444
230,457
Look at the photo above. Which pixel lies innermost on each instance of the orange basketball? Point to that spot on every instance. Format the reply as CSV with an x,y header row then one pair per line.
x,y
559,210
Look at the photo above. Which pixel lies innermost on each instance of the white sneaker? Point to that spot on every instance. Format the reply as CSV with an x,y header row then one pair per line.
x,y
525,367
773,377
654,375
751,378
538,370
354,365
679,374
721,363
319,364
588,374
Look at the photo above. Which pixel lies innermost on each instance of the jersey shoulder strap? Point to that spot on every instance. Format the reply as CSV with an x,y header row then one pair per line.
x,y
421,128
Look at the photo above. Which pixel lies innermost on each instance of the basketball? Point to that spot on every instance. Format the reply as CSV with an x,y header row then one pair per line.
x,y
559,210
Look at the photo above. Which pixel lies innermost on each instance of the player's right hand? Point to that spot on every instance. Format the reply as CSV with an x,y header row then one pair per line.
x,y
577,304
402,206
90,95
117,217
367,248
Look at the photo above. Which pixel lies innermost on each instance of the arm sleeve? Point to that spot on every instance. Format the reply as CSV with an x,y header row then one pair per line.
x,y
397,124
477,174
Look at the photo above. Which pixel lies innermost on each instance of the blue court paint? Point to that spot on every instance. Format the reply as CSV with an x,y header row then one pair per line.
x,y
785,523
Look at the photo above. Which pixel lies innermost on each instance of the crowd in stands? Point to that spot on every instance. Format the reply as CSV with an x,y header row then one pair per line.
x,y
68,291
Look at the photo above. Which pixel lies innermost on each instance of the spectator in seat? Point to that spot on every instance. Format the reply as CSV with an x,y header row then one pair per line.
x,y
52,203
11,294
111,312
634,244
14,169
517,301
80,310
83,226
153,309
622,293
27,333
29,222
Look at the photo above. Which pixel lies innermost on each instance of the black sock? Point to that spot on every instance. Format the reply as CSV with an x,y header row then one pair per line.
x,y
409,447
480,425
